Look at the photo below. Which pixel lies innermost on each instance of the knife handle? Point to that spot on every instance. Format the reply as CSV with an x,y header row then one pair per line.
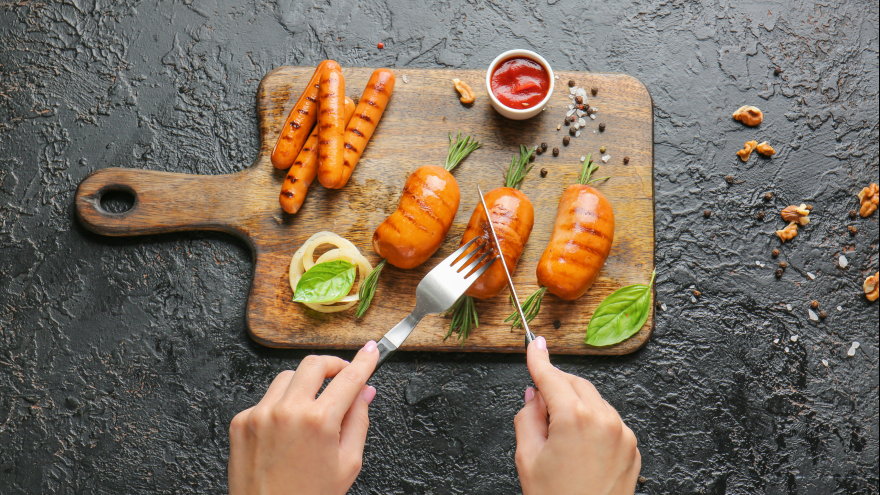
x,y
386,349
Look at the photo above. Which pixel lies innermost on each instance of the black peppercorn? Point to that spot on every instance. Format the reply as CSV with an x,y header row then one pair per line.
x,y
823,314
555,151
778,272
602,127
579,99
814,304
572,131
539,150
544,172
760,215
729,179
775,253
594,90
697,293
768,196
566,140
707,213
777,71
783,265
853,230
557,324
853,213
642,480
602,149
532,157
809,208
588,109
625,160
544,146
571,83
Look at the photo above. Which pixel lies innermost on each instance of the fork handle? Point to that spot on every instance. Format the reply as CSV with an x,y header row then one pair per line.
x,y
386,349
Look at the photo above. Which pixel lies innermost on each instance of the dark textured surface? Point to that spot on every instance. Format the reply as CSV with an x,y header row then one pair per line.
x,y
123,360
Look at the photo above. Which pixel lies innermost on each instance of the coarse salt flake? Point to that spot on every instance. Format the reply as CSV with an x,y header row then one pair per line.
x,y
786,349
811,275
570,112
571,106
855,345
573,90
556,76
581,113
840,308
577,134
788,307
404,79
575,126
581,92
606,158
851,352
775,341
842,261
794,338
813,315
663,306
582,122
592,116
825,362
693,299
583,158
759,264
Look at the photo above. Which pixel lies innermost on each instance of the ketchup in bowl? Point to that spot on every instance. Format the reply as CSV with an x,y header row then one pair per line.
x,y
520,83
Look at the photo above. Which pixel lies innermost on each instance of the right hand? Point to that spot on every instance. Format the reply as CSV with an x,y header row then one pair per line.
x,y
568,439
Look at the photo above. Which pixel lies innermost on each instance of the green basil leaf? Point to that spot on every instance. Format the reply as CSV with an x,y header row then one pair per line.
x,y
325,282
620,315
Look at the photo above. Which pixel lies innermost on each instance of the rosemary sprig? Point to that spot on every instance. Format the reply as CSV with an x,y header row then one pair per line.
x,y
519,167
368,289
530,307
459,149
587,171
464,318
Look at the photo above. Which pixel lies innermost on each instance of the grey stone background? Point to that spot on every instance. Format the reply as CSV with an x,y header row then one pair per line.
x,y
122,361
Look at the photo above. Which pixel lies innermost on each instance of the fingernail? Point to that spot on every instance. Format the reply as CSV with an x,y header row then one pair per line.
x,y
530,394
540,343
371,346
369,393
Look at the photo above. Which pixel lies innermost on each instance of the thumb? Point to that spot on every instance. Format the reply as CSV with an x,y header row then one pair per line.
x,y
355,423
531,426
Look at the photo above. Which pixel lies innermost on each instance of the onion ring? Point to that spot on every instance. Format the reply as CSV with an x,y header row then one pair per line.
x,y
304,259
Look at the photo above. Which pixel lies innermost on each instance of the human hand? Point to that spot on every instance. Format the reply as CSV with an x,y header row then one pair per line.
x,y
293,443
583,447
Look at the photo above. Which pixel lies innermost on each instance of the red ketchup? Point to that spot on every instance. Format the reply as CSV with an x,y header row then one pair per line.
x,y
520,83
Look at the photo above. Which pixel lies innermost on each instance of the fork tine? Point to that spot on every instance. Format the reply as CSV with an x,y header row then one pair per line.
x,y
476,264
466,260
486,267
452,257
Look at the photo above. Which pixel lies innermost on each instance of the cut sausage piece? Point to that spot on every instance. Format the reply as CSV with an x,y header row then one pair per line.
x,y
305,169
423,217
331,126
513,217
580,243
300,121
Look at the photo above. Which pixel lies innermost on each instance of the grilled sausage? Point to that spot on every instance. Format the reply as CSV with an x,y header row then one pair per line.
x,y
423,217
580,243
300,121
366,117
305,168
331,126
513,218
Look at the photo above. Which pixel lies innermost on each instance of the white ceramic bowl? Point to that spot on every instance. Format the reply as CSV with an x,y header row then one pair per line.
x,y
512,113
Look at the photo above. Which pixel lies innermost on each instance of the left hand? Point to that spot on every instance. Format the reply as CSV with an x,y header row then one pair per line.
x,y
292,442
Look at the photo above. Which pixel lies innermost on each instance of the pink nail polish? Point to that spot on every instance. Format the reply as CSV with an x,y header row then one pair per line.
x,y
541,343
369,394
371,346
530,394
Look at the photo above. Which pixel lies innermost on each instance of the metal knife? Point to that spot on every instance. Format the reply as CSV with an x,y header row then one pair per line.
x,y
529,335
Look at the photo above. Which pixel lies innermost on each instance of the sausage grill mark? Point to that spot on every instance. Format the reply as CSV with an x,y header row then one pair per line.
x,y
287,194
352,148
365,117
295,125
357,133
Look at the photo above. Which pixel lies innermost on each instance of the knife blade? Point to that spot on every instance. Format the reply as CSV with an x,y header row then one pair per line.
x,y
529,335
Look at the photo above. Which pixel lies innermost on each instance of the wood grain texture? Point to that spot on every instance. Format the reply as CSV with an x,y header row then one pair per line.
x,y
413,132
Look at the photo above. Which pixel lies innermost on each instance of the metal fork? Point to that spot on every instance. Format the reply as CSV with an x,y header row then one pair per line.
x,y
438,291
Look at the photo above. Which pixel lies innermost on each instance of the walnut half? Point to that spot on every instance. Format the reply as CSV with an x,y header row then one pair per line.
x,y
746,152
798,214
467,94
748,115
872,287
788,233
765,149
869,199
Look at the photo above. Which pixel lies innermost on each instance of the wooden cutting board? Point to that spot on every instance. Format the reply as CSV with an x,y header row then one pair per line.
x,y
413,132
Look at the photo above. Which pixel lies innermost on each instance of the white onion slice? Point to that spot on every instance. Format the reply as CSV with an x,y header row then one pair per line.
x,y
304,259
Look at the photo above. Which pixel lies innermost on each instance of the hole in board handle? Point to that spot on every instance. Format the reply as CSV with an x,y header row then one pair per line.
x,y
116,200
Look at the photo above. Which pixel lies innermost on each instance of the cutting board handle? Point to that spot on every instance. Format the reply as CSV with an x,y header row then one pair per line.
x,y
163,202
